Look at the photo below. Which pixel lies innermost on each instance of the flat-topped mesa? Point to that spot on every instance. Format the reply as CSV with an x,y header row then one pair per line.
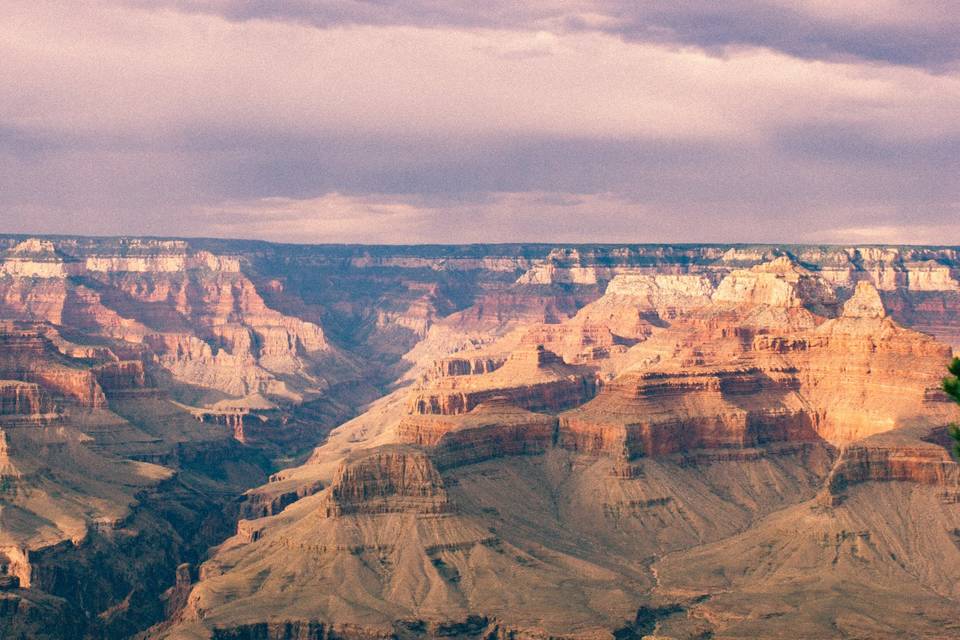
x,y
466,366
651,413
387,479
37,258
157,256
491,430
667,294
534,379
778,283
892,456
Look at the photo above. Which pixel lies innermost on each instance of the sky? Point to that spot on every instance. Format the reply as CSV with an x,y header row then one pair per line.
x,y
413,121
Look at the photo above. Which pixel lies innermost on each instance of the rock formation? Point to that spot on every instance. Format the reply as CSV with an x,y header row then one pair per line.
x,y
545,383
510,441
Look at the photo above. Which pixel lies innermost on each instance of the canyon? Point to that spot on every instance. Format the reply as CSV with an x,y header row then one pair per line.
x,y
240,440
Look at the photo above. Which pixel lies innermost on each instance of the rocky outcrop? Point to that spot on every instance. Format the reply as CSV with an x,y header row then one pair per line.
x,y
865,303
659,413
491,430
898,456
21,399
36,258
467,366
120,376
75,386
534,379
387,479
851,369
778,283
260,504
28,356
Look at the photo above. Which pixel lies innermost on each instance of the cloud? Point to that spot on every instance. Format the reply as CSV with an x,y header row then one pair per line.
x,y
247,119
902,32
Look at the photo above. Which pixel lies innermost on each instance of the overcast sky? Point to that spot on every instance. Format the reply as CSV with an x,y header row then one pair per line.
x,y
491,121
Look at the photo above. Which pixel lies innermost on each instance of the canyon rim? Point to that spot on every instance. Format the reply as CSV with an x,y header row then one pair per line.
x,y
429,319
237,439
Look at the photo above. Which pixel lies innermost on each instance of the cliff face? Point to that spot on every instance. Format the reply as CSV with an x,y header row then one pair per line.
x,y
541,431
490,430
204,321
20,398
386,480
852,372
546,383
650,414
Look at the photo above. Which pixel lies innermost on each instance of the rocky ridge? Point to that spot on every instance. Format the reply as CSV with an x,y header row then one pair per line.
x,y
556,425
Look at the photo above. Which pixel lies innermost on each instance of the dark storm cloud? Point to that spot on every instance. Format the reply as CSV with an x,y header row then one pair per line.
x,y
920,33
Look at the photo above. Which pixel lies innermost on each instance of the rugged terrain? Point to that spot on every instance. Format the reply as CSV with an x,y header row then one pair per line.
x,y
226,439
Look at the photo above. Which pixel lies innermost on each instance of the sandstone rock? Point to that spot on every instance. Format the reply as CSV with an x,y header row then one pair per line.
x,y
36,258
534,379
120,376
659,413
490,430
865,303
895,456
703,398
464,366
779,283
21,398
386,480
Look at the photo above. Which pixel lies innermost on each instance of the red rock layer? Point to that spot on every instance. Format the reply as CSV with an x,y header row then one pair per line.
x,y
20,398
490,430
464,366
533,379
122,375
659,413
892,457
385,480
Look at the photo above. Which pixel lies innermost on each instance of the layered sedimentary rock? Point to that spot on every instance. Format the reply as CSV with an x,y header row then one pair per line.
x,y
658,413
852,371
36,258
534,379
466,366
19,398
28,354
899,455
120,375
578,442
490,430
387,479
778,283
204,320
